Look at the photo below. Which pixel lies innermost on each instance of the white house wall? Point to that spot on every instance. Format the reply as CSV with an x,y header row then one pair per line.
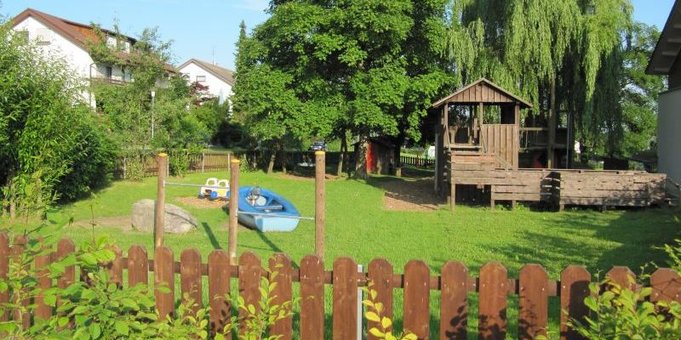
x,y
216,86
77,59
669,134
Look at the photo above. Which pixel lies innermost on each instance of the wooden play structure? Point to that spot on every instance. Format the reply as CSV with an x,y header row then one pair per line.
x,y
485,154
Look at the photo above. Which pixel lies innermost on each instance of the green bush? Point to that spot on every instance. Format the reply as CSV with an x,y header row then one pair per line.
x,y
45,128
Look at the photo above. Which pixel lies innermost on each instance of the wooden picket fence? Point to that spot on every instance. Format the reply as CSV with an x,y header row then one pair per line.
x,y
493,287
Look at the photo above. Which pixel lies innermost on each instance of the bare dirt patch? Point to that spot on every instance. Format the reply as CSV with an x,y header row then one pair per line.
x,y
410,195
122,222
202,203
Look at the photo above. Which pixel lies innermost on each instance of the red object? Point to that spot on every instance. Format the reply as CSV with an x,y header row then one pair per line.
x,y
371,162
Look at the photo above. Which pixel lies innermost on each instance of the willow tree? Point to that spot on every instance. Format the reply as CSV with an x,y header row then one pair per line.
x,y
549,52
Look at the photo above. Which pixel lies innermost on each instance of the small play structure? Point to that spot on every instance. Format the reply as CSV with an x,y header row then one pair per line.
x,y
266,210
215,189
485,154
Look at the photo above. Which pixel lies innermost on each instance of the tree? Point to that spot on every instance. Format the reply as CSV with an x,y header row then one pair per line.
x,y
137,120
366,67
563,56
639,91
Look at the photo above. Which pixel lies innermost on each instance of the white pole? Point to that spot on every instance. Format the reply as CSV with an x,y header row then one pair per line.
x,y
360,306
153,95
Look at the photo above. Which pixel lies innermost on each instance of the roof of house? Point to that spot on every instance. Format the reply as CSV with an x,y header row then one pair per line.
x,y
669,46
222,73
77,33
489,93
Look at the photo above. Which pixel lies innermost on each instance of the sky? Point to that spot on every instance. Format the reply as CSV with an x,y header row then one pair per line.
x,y
207,29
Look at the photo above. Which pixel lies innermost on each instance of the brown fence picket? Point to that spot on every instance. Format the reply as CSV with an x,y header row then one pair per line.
x,y
219,275
283,292
623,277
534,302
311,298
65,247
493,301
417,298
454,301
4,271
164,276
16,252
344,299
190,277
116,267
250,272
381,274
42,310
138,266
666,284
574,288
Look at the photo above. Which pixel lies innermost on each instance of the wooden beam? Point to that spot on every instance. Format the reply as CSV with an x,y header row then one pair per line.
x,y
445,117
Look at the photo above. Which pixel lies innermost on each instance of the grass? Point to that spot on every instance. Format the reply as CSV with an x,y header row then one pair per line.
x,y
357,226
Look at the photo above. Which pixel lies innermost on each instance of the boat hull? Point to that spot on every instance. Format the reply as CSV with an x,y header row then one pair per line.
x,y
275,214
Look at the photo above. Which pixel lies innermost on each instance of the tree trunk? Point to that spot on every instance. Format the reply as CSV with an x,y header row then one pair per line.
x,y
344,151
397,152
284,159
361,158
553,119
270,165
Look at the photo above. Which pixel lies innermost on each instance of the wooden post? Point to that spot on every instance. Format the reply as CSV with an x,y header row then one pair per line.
x,y
233,204
160,207
319,219
203,162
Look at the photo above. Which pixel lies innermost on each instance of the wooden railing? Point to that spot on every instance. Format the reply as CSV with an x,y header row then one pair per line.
x,y
416,161
493,286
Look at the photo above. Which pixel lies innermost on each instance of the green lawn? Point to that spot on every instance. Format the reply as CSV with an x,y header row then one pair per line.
x,y
359,227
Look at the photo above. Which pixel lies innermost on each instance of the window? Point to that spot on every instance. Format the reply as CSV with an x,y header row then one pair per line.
x,y
200,78
44,36
109,72
111,41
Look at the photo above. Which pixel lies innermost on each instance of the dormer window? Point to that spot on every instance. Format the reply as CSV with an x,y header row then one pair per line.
x,y
111,41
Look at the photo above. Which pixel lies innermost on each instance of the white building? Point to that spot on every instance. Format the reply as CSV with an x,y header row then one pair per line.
x,y
67,40
665,61
218,79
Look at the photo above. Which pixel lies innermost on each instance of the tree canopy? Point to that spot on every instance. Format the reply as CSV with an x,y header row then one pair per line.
x,y
324,68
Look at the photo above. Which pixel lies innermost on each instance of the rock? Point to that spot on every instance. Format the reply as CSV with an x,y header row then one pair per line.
x,y
178,220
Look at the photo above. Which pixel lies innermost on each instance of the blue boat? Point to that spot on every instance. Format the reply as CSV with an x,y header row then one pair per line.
x,y
265,210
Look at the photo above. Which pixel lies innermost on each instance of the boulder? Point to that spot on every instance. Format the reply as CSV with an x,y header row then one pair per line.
x,y
178,220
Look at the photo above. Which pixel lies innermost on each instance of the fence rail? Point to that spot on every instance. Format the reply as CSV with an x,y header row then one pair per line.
x,y
219,161
493,286
416,161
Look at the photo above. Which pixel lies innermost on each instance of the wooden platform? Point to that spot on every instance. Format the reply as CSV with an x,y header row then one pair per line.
x,y
563,187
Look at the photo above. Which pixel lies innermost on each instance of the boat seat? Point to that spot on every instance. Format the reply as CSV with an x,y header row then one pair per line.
x,y
270,207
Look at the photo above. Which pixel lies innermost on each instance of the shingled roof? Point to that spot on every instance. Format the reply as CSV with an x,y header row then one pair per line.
x,y
77,33
222,73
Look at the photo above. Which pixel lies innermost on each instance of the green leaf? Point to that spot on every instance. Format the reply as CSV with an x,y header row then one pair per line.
x,y
122,328
95,330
